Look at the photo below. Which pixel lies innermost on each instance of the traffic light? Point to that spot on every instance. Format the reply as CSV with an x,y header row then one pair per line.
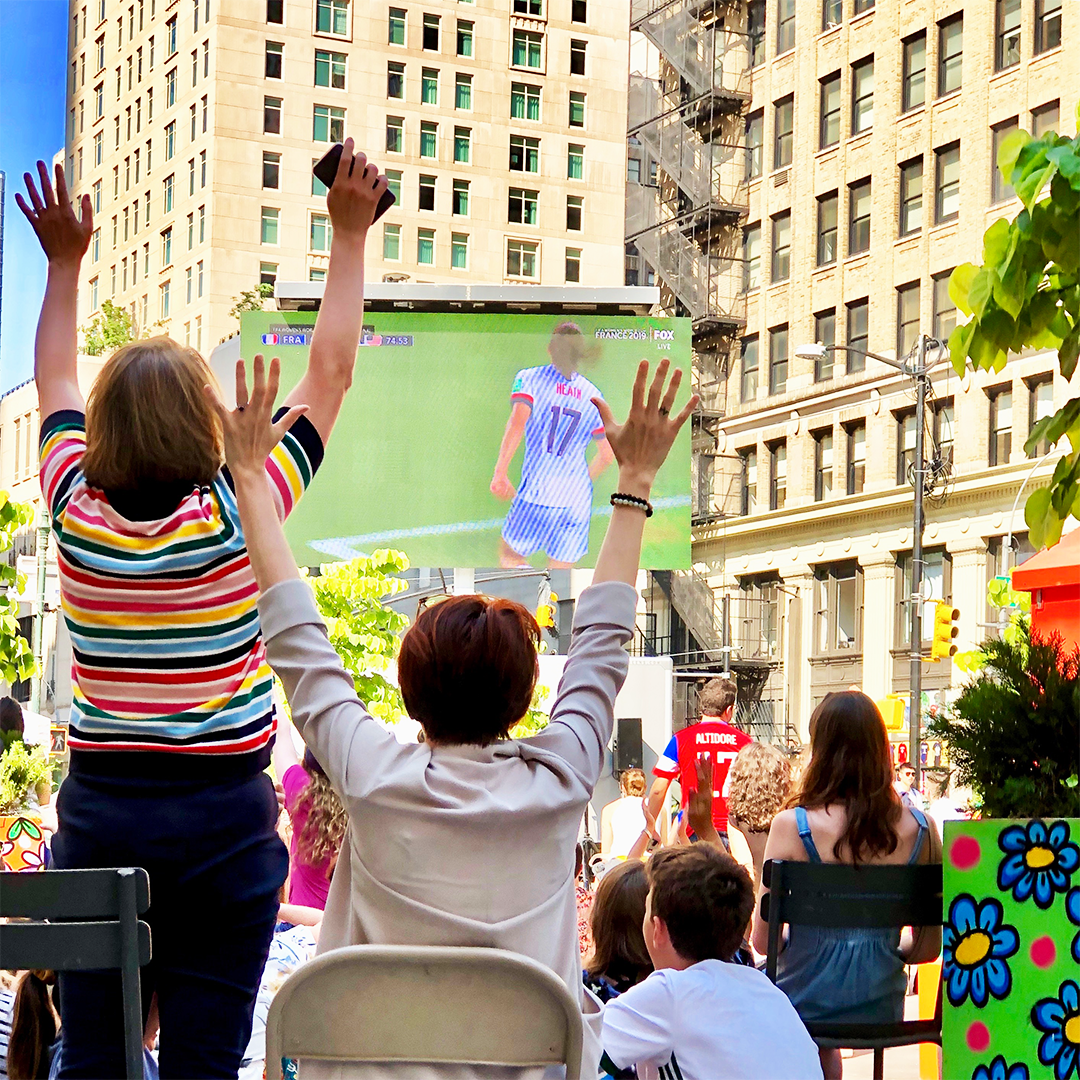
x,y
545,613
942,646
892,711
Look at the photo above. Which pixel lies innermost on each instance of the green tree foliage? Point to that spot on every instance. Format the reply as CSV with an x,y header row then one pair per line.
x,y
109,330
251,300
22,770
1026,295
364,631
16,657
1014,732
536,719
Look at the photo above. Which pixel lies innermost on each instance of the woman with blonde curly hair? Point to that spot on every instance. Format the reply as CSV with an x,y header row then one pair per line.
x,y
760,781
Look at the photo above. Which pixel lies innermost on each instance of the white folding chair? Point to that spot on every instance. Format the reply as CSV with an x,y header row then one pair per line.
x,y
427,1004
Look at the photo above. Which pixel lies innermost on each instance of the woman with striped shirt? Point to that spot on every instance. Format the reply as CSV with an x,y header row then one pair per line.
x,y
172,719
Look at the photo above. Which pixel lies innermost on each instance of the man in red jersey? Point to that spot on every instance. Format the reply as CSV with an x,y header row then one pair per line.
x,y
714,735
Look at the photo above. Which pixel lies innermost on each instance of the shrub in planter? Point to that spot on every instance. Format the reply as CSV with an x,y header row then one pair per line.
x,y
22,771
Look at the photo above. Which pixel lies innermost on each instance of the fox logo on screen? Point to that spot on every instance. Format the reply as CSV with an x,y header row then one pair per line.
x,y
663,335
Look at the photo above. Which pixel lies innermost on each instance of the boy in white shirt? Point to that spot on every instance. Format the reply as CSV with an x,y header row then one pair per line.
x,y
698,1016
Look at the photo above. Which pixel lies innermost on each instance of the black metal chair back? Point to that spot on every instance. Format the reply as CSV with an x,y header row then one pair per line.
x,y
82,920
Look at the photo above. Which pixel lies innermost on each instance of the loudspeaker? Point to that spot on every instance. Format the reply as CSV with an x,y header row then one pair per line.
x,y
626,752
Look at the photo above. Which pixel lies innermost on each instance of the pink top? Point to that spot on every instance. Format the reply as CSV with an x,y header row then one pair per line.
x,y
308,885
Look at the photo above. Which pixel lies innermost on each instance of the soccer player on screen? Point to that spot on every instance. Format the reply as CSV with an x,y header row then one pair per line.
x,y
552,409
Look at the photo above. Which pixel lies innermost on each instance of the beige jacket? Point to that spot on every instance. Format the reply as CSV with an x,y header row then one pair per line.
x,y
461,845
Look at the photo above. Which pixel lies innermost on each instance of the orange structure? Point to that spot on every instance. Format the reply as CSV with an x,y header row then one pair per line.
x,y
1053,579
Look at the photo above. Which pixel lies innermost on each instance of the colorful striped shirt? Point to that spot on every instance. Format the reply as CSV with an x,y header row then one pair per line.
x,y
167,653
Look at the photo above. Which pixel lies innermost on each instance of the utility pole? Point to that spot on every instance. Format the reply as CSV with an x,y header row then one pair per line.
x,y
915,715
42,547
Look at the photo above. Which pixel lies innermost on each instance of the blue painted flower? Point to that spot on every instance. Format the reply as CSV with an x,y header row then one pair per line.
x,y
998,1070
1072,909
1059,1018
1037,860
974,946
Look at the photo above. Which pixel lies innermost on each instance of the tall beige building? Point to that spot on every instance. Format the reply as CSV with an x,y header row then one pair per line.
x,y
871,136
193,125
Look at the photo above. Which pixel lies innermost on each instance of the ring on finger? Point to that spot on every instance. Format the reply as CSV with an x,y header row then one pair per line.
x,y
664,412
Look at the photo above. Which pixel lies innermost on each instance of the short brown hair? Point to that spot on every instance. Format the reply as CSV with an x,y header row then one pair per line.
x,y
758,785
632,782
148,419
705,899
716,697
618,910
467,668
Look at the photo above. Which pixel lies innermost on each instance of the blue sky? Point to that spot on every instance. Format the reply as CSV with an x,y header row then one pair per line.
x,y
33,62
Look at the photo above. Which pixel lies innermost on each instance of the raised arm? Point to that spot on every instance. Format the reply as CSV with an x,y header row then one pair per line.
x,y
515,428
603,457
352,201
64,239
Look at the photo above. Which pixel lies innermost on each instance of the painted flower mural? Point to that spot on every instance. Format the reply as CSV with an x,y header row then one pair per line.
x,y
975,944
999,1070
1039,861
1059,1020
1072,910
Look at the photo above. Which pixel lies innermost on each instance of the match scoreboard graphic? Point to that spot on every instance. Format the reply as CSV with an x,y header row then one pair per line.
x,y
473,439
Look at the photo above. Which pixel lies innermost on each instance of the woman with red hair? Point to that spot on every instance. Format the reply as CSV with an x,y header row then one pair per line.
x,y
469,837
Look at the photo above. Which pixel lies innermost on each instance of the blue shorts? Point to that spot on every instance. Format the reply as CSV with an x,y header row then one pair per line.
x,y
561,532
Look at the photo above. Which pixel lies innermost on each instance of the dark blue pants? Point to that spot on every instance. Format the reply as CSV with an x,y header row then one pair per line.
x,y
216,866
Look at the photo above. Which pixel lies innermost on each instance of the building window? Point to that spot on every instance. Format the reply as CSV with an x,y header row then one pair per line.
x,y
1000,425
1044,119
573,264
749,480
1007,34
391,243
944,428
170,89
429,86
163,303
464,48
169,188
170,37
328,124
97,197
911,186
396,35
527,49
781,247
395,134
462,145
459,251
862,95
783,123
905,447
858,335
427,193
95,245
272,115
1040,406
99,147
274,51
825,334
463,91
936,586
778,359
859,217
944,308
579,11
947,183
749,370
827,228
950,54
1047,25
395,80
832,13
907,318
577,57
459,206
425,247
577,110
1000,189
393,183
524,154
330,69
837,608
270,218
575,162
166,248
189,285
271,170
823,465
862,5
785,25
914,90
856,457
332,17
524,102
829,133
755,141
751,256
316,273
521,259
574,205
777,474
522,206
202,168
199,278
429,136
755,23
320,233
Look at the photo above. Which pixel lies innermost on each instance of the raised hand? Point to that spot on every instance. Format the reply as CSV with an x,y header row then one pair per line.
x,y
355,193
642,443
249,431
699,802
501,487
63,236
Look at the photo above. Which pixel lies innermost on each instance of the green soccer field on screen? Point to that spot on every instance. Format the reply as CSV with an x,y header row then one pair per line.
x,y
472,440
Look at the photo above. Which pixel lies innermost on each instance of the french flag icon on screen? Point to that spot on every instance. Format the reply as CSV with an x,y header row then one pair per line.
x,y
270,339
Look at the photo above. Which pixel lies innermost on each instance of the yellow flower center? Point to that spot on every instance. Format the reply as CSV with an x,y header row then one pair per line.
x,y
1072,1029
972,949
1038,858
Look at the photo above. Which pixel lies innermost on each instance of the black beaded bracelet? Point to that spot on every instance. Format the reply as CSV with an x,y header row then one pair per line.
x,y
619,498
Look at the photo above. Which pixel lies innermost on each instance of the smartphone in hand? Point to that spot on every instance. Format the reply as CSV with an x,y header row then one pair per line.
x,y
326,169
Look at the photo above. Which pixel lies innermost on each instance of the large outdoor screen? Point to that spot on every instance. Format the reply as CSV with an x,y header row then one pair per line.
x,y
471,440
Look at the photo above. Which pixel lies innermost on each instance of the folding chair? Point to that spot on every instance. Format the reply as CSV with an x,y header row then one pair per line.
x,y
879,897
425,1004
101,929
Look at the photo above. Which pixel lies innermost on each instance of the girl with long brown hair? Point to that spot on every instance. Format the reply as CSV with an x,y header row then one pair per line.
x,y
845,810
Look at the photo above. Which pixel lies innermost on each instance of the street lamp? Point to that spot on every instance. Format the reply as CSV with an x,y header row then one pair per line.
x,y
913,365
